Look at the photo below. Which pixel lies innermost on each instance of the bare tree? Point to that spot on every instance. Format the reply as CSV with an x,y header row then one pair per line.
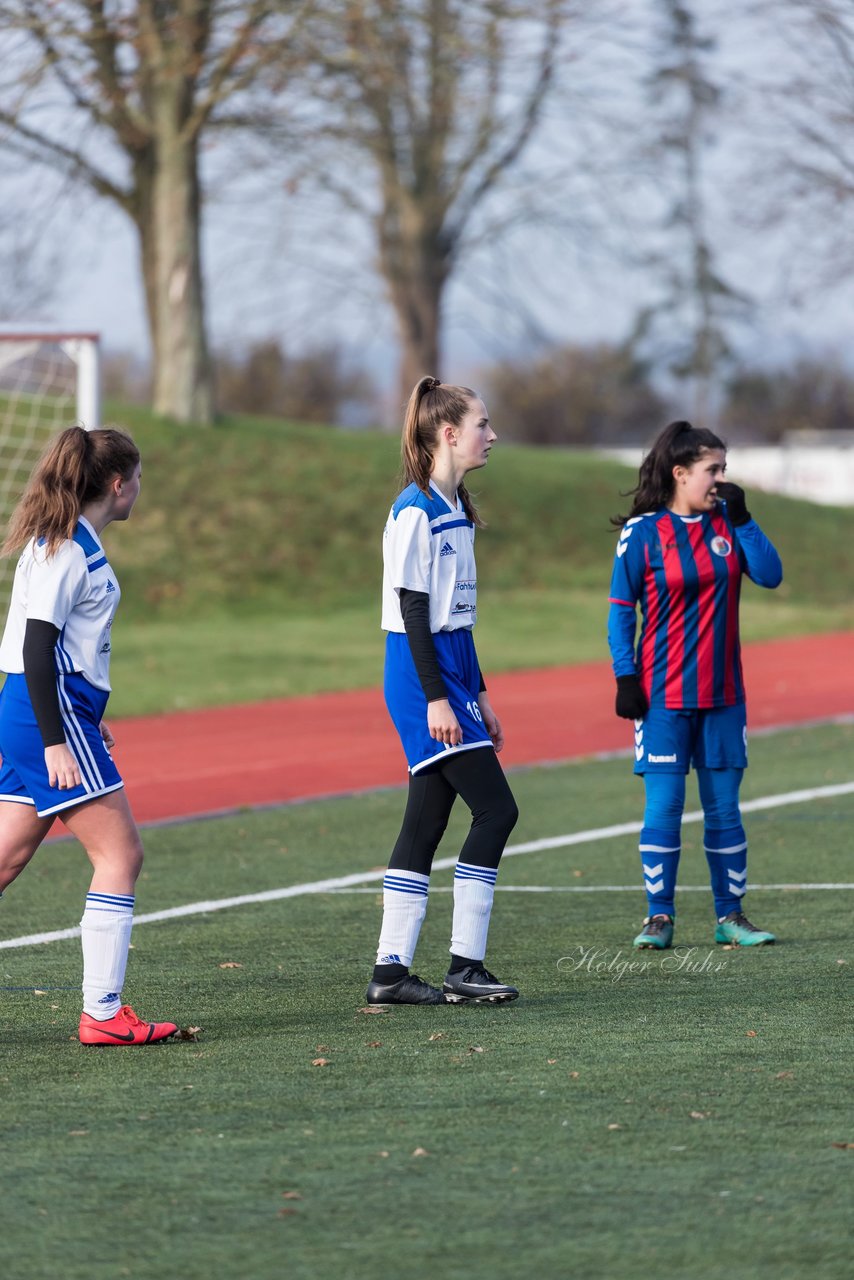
x,y
686,327
29,270
119,97
801,156
424,108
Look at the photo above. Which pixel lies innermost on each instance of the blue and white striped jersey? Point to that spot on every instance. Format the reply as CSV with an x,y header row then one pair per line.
x,y
428,545
76,590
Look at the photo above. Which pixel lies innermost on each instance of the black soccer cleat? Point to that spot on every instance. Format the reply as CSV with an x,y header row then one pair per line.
x,y
408,990
476,985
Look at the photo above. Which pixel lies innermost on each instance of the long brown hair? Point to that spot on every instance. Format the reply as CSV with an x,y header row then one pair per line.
x,y
76,468
678,445
433,402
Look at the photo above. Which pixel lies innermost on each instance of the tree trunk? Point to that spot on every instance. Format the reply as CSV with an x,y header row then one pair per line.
x,y
418,313
169,227
416,278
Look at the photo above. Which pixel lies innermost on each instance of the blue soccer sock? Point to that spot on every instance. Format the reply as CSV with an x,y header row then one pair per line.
x,y
659,851
726,854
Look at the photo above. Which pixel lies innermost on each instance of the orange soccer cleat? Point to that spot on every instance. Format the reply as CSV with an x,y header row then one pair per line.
x,y
124,1028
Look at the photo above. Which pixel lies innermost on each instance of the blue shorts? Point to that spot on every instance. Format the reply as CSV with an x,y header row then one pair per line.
x,y
672,741
23,773
407,704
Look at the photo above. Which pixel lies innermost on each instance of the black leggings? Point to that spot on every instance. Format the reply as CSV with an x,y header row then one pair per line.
x,y
476,776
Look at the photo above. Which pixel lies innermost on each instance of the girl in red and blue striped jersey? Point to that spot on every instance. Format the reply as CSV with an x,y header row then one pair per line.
x,y
683,550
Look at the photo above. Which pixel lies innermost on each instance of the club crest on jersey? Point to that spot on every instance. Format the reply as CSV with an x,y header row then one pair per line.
x,y
721,545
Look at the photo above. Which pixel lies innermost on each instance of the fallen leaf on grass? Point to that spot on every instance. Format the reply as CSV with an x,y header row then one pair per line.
x,y
785,1075
578,874
373,1008
230,964
475,1048
699,1115
752,1034
437,1035
291,1195
551,1061
37,992
81,1133
375,1044
384,1154
843,1146
615,1126
320,1062
573,1075
322,1048
286,1213
419,1151
188,1033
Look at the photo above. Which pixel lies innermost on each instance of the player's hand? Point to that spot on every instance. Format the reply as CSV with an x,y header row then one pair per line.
x,y
443,724
491,721
109,740
736,504
631,702
63,771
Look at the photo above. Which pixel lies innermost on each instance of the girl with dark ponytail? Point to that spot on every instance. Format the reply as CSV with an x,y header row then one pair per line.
x,y
683,549
438,701
53,740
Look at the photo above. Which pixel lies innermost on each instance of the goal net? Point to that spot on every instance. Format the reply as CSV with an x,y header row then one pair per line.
x,y
49,379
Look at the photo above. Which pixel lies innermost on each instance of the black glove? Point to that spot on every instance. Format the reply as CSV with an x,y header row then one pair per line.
x,y
736,506
631,699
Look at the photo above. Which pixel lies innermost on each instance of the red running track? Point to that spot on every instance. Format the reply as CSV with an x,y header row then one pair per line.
x,y
201,762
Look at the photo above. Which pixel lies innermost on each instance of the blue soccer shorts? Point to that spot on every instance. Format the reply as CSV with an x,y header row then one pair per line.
x,y
407,704
23,773
673,741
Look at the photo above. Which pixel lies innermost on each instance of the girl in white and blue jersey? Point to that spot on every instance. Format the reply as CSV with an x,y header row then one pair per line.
x,y
53,741
437,699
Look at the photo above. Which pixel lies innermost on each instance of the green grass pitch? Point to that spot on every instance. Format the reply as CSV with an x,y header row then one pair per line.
x,y
690,1118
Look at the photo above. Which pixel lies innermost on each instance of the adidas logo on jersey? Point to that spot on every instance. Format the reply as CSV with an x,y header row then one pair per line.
x,y
110,585
447,550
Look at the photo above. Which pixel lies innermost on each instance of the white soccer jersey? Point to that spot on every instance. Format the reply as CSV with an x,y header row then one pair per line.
x,y
76,590
428,545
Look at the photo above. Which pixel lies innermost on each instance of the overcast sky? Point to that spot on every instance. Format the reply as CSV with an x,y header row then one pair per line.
x,y
300,272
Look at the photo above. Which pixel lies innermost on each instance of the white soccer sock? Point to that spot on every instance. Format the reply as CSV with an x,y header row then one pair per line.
x,y
474,890
105,934
404,909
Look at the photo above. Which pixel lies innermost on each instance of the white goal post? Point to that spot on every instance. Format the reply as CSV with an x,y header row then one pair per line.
x,y
50,378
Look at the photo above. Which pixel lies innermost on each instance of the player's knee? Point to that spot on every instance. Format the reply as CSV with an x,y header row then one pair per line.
x,y
510,814
500,818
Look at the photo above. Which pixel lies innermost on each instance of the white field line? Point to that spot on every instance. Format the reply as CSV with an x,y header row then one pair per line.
x,y
604,888
443,864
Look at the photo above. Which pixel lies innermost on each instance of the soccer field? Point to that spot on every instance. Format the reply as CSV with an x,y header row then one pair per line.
x,y
691,1115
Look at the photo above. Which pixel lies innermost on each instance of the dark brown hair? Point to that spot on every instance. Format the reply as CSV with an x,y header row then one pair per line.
x,y
678,445
75,468
431,403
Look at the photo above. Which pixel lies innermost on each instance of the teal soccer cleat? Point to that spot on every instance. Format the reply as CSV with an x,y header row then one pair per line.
x,y
657,933
737,930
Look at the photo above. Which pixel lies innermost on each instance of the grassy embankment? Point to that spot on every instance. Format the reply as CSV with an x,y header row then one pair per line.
x,y
252,565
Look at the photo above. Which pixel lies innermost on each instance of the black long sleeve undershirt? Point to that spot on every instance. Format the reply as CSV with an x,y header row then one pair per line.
x,y
40,672
415,608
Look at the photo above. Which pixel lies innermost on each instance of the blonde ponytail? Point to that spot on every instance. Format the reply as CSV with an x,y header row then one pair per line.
x,y
432,403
